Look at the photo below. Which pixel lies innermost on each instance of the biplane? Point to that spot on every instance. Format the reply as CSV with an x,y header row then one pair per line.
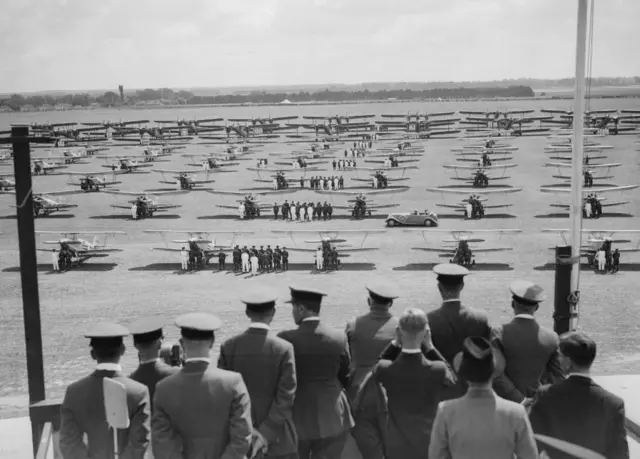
x,y
146,204
334,125
268,121
40,167
75,250
484,158
505,121
64,136
213,163
419,122
592,202
459,248
474,207
590,172
184,179
330,239
569,149
201,245
126,166
249,206
380,178
290,168
114,124
44,205
301,162
360,206
587,159
67,157
488,143
184,122
392,161
597,240
147,135
481,175
91,181
280,180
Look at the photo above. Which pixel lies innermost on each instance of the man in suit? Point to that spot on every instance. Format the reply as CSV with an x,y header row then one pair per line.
x,y
321,411
481,424
412,385
578,410
453,322
83,411
267,366
370,333
147,339
530,350
201,411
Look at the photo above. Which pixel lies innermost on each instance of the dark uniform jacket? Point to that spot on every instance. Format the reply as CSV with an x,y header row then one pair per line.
x,y
201,412
368,336
321,409
150,373
579,411
531,357
267,366
83,412
450,325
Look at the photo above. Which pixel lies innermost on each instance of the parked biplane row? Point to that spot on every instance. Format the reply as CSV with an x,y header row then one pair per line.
x,y
512,123
200,246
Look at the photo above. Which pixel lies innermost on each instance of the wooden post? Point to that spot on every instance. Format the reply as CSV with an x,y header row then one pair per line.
x,y
28,272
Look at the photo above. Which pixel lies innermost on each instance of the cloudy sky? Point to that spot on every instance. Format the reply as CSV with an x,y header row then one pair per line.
x,y
94,44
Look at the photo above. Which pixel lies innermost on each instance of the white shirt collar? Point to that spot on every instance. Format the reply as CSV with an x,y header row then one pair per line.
x,y
581,375
411,351
142,362
109,367
524,316
452,300
260,325
311,319
198,359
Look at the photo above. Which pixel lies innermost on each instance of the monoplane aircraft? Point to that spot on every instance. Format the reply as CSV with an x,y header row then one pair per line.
x,y
361,206
330,240
459,248
184,179
481,175
249,206
75,250
201,244
44,205
597,240
474,207
126,166
91,181
592,202
146,204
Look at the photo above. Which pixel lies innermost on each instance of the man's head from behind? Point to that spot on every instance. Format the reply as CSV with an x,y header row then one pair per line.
x,y
413,327
577,352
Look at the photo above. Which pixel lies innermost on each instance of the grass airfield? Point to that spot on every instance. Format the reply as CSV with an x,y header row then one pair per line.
x,y
140,281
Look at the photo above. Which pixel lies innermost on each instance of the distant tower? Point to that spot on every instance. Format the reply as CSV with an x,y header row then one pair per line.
x,y
121,89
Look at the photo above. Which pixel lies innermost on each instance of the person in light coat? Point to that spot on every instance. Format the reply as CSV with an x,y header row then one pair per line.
x,y
254,264
602,260
319,259
309,213
241,211
468,208
54,260
134,211
587,209
184,258
245,262
275,183
374,182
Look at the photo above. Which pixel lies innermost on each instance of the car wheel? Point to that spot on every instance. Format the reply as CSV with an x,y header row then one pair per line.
x,y
391,223
428,223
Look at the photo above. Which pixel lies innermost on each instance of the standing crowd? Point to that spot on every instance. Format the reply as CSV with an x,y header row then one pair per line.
x,y
439,384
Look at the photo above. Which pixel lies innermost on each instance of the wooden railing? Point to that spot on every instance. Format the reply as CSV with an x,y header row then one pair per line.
x,y
45,422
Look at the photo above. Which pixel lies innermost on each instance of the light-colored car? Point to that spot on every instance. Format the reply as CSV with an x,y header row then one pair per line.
x,y
415,218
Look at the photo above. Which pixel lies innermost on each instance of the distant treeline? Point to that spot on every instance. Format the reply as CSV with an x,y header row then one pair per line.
x,y
169,97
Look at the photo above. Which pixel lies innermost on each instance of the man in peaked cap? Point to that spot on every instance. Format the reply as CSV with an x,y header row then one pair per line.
x,y
369,334
202,411
147,339
480,420
453,322
83,411
266,363
530,350
321,410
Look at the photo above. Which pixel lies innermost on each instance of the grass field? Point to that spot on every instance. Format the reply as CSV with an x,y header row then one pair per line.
x,y
140,281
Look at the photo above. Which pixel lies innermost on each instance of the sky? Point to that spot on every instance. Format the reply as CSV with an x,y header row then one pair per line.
x,y
95,44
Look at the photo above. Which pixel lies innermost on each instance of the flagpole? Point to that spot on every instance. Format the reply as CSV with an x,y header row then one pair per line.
x,y
578,157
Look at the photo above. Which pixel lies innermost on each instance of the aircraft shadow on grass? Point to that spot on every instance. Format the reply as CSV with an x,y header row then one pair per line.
x,y
52,216
175,267
476,267
471,187
604,215
128,217
47,268
487,216
624,267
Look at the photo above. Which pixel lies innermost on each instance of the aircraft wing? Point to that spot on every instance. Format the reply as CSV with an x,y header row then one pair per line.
x,y
586,166
283,169
196,232
371,192
478,192
333,237
155,193
589,190
61,193
76,233
488,168
462,232
400,168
